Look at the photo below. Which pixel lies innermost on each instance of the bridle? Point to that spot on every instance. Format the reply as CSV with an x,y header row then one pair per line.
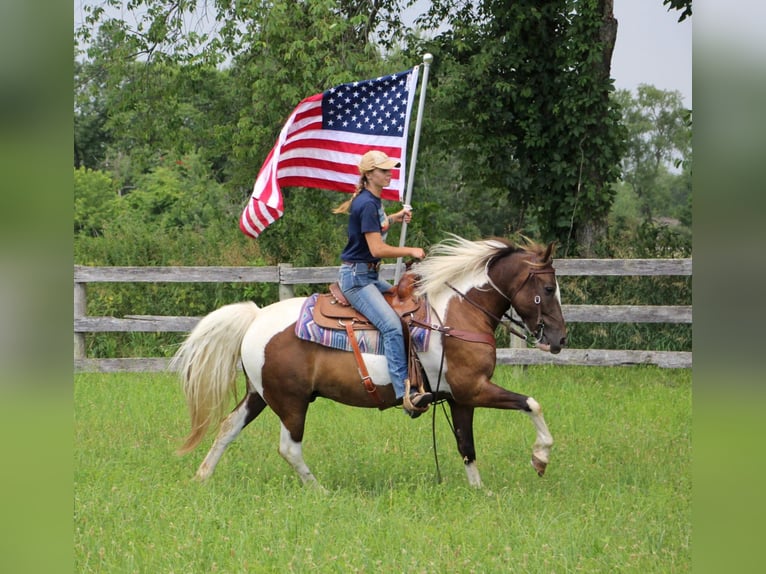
x,y
537,334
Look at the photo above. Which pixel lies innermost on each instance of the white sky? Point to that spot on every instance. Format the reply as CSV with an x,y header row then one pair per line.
x,y
652,48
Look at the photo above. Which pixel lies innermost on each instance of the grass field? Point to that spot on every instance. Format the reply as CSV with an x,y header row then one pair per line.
x,y
616,497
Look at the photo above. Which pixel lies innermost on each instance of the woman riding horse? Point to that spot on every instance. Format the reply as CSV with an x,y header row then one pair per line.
x,y
368,226
469,286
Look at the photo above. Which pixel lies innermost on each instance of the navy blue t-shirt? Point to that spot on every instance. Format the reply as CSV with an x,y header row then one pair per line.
x,y
366,216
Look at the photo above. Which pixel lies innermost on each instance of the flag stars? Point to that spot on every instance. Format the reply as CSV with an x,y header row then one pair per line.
x,y
369,107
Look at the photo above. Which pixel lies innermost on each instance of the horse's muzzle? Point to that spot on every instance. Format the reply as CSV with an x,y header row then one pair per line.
x,y
549,347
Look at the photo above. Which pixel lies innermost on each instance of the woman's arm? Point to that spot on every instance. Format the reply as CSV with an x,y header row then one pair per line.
x,y
381,250
403,214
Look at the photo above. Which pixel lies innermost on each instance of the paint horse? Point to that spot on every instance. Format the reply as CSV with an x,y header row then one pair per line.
x,y
468,285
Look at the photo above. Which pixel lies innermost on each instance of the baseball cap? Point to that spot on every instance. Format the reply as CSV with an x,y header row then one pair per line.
x,y
375,158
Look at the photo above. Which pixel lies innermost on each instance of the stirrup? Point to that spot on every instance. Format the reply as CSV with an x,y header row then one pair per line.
x,y
407,400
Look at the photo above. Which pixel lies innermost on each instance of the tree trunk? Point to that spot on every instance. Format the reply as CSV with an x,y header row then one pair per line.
x,y
592,229
608,35
589,234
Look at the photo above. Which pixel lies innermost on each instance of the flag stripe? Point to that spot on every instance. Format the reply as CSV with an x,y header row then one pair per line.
x,y
323,139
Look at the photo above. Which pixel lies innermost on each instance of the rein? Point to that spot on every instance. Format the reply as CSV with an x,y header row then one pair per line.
x,y
489,313
448,331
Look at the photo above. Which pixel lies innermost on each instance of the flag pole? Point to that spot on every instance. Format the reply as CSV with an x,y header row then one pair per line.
x,y
427,59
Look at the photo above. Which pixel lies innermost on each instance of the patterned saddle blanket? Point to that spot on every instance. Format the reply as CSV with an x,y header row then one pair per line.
x,y
369,340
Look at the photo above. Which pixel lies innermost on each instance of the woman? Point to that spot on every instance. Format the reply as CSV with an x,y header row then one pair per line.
x,y
358,277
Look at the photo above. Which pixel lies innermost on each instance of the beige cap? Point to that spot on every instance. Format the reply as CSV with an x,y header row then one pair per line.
x,y
375,158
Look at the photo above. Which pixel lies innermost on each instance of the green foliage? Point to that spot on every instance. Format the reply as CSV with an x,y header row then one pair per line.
x,y
524,92
175,196
659,141
616,497
95,195
683,6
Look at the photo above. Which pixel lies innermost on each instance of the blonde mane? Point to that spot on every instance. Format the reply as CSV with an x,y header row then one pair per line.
x,y
456,259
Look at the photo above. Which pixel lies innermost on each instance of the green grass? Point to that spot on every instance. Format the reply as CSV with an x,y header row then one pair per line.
x,y
616,497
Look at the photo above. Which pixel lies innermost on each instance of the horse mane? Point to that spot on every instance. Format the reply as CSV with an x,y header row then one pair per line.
x,y
456,260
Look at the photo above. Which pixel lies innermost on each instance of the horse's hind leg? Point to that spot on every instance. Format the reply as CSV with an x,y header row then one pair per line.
x,y
462,418
248,408
292,451
292,414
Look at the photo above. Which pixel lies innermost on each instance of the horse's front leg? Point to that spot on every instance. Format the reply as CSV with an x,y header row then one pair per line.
x,y
493,396
542,448
462,418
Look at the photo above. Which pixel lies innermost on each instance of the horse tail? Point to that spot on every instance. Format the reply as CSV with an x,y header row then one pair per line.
x,y
207,364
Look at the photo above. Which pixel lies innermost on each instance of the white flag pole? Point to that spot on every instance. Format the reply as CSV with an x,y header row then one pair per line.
x,y
427,59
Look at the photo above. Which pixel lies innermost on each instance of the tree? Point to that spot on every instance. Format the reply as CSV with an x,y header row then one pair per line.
x,y
91,139
659,142
95,193
523,91
684,6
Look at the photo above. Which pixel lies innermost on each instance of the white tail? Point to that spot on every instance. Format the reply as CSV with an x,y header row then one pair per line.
x,y
207,363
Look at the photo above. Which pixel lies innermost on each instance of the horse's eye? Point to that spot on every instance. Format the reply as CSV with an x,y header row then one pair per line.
x,y
550,290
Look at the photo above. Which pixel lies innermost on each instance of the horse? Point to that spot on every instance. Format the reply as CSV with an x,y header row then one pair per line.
x,y
469,287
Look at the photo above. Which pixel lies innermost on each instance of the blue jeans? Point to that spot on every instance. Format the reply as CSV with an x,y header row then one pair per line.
x,y
364,290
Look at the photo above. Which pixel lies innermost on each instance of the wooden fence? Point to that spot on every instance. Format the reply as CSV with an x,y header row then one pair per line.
x,y
287,276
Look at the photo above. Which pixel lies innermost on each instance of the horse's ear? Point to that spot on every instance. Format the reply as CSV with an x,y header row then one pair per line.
x,y
548,255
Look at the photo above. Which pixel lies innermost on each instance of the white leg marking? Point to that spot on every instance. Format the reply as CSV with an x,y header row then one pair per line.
x,y
292,452
472,471
231,426
544,441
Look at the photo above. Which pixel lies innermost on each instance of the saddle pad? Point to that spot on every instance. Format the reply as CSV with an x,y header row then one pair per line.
x,y
369,340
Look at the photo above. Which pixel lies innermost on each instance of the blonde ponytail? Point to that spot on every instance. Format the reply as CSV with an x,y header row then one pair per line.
x,y
345,207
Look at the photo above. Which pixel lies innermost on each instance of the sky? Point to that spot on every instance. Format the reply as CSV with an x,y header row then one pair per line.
x,y
652,47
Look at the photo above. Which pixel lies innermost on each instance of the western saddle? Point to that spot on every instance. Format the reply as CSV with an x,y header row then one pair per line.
x,y
333,311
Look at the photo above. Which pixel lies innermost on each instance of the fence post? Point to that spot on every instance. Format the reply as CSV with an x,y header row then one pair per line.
x,y
80,309
285,291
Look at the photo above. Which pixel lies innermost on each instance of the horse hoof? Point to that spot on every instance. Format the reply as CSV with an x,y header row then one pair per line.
x,y
539,465
202,474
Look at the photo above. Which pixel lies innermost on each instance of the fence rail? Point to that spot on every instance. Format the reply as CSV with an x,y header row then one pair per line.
x,y
287,276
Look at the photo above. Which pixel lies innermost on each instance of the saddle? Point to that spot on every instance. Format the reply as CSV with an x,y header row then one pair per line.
x,y
333,311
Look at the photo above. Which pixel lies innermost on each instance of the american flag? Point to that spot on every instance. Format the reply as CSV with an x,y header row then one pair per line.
x,y
325,137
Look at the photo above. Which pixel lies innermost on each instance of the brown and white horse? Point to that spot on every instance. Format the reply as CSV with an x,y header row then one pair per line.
x,y
469,286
